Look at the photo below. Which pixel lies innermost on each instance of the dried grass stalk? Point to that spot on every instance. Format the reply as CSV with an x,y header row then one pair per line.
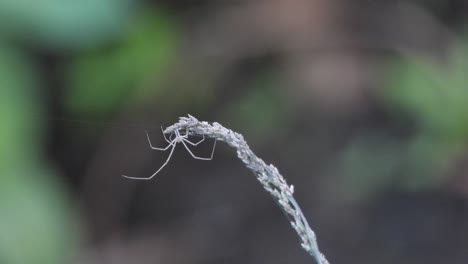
x,y
268,175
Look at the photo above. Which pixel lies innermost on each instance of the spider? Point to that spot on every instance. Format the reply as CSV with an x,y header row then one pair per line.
x,y
178,138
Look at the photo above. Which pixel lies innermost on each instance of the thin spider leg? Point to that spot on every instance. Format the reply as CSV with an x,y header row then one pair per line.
x,y
172,134
212,151
154,174
164,135
151,145
196,157
194,144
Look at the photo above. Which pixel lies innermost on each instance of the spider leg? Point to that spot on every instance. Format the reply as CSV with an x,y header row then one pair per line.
x,y
172,134
164,135
154,174
194,144
193,155
151,145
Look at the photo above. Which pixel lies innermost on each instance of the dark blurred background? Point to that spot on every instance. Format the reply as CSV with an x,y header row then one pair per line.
x,y
362,105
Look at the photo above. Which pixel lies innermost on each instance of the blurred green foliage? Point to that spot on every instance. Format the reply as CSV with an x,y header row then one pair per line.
x,y
435,94
101,80
64,24
36,224
432,95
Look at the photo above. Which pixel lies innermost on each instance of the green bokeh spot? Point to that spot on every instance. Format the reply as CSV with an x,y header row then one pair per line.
x,y
103,79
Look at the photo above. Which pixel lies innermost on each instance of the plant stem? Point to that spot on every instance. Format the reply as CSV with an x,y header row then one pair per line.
x,y
268,175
